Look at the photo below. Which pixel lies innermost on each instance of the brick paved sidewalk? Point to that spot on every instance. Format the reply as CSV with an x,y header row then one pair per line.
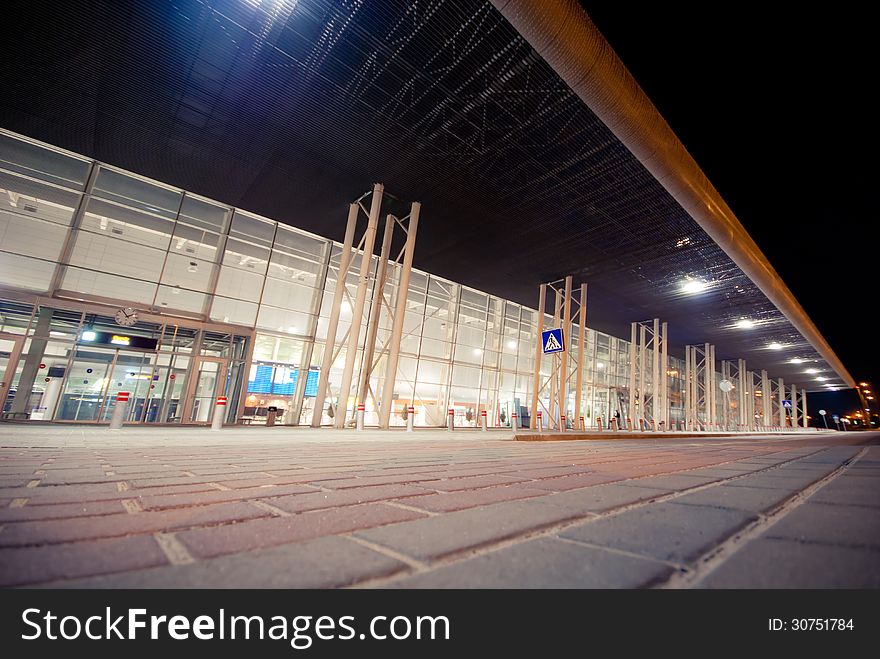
x,y
89,507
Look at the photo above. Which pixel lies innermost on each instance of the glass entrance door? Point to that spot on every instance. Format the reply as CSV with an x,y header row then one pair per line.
x,y
165,401
10,352
210,382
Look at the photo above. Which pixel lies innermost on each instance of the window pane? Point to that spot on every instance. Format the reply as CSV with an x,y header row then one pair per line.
x,y
127,224
32,199
36,161
203,215
253,229
137,193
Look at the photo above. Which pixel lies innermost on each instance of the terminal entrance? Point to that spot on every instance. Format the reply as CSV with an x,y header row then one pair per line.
x,y
81,361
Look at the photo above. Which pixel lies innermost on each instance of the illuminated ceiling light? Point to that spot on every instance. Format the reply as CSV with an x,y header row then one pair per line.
x,y
89,335
821,379
681,242
511,345
745,323
600,365
193,267
291,330
812,371
692,286
775,346
477,351
864,384
346,306
796,360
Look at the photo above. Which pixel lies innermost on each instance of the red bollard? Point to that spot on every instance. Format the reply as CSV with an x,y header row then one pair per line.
x,y
599,423
561,423
540,424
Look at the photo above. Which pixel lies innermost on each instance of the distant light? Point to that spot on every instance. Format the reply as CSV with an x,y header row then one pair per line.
x,y
511,345
477,351
821,379
88,335
345,306
870,398
796,360
681,242
600,365
691,286
864,384
62,334
775,346
745,323
291,330
812,371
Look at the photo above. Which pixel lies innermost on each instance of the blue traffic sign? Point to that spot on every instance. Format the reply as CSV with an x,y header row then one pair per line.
x,y
552,341
786,404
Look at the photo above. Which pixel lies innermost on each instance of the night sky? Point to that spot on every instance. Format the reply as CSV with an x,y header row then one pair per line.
x,y
773,106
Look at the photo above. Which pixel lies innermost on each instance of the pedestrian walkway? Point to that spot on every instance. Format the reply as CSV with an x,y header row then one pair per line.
x,y
159,507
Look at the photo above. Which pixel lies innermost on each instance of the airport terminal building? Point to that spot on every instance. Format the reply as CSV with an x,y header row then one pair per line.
x,y
112,282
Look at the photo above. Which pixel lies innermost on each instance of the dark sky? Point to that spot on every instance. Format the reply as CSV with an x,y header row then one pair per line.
x,y
774,105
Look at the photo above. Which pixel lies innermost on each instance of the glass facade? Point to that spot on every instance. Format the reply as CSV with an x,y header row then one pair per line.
x,y
237,304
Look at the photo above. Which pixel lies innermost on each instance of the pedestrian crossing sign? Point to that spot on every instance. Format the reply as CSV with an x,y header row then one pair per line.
x,y
552,341
786,404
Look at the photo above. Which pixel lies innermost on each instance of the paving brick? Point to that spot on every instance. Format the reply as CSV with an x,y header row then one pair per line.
x,y
665,531
232,538
754,499
433,537
322,563
473,482
721,471
19,534
449,501
848,491
854,526
344,483
600,498
573,481
29,565
549,472
769,563
673,481
217,496
60,511
543,563
298,503
775,481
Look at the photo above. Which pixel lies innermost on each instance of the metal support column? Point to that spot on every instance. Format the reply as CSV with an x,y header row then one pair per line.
x,y
539,353
655,374
664,377
794,407
780,395
582,347
564,355
357,314
554,380
367,361
766,416
333,324
399,317
741,387
633,409
804,421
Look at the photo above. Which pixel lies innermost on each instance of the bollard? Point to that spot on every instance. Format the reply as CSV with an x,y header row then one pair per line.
x,y
410,413
515,424
540,424
359,422
599,423
219,413
484,421
450,419
561,423
583,423
629,424
613,424
653,427
119,411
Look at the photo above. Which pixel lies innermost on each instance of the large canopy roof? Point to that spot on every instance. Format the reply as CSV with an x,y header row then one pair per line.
x,y
292,109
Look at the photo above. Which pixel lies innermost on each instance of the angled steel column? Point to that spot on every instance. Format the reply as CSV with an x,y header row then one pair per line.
x,y
554,379
794,407
713,393
357,314
664,378
539,352
632,375
399,316
687,387
565,354
642,412
741,386
765,399
375,312
780,392
655,375
333,323
582,347
804,423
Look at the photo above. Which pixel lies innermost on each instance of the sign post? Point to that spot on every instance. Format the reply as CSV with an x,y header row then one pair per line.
x,y
822,412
